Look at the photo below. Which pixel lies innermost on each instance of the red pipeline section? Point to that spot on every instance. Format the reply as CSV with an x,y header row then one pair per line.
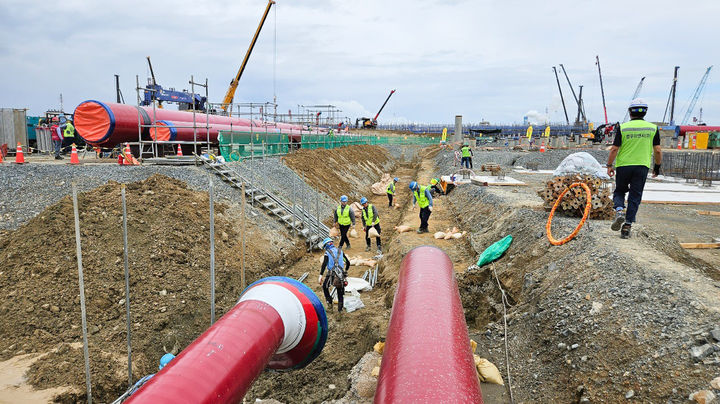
x,y
427,357
107,124
278,323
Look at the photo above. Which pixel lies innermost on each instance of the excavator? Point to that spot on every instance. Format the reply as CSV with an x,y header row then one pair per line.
x,y
230,95
368,123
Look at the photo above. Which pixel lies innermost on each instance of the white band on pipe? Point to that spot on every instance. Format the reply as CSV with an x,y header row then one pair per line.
x,y
287,305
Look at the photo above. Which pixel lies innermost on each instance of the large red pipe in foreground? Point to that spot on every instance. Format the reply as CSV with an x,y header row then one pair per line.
x,y
107,124
278,323
427,357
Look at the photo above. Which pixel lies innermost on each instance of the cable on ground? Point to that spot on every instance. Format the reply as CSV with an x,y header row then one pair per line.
x,y
588,206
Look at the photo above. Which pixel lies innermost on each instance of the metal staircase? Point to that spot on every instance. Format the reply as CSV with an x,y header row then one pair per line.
x,y
294,217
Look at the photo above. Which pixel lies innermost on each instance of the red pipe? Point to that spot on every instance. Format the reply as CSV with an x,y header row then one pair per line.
x,y
278,323
106,124
427,355
684,129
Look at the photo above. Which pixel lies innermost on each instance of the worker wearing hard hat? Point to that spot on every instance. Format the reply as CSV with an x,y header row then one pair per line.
x,y
634,144
68,131
344,217
466,155
337,265
371,220
436,187
391,190
423,198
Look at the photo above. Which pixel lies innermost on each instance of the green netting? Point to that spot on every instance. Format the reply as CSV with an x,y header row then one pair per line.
x,y
235,146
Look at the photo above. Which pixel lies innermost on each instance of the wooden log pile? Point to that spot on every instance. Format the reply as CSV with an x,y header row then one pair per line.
x,y
573,203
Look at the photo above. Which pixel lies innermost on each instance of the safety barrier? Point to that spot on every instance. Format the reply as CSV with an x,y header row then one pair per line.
x,y
427,357
235,145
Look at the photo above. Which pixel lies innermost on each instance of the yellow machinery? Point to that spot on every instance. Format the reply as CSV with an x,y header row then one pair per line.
x,y
230,95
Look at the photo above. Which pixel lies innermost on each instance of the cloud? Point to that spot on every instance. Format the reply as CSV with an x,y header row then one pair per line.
x,y
481,59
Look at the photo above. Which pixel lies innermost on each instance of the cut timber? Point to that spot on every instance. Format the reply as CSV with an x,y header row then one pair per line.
x,y
699,245
708,213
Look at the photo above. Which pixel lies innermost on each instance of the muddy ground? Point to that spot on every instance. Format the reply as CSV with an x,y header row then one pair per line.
x,y
653,300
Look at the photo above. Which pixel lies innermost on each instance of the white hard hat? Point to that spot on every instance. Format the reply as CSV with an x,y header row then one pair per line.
x,y
638,103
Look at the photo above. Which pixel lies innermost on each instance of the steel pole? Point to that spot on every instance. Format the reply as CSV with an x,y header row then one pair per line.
x,y
127,284
212,253
81,282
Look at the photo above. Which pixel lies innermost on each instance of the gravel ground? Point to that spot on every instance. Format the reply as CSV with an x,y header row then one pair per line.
x,y
546,161
598,319
27,190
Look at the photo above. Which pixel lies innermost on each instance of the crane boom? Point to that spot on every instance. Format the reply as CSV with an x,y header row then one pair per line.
x,y
696,95
567,120
230,95
383,106
580,109
635,94
602,90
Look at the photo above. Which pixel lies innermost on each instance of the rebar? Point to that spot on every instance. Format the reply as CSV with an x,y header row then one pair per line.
x,y
692,166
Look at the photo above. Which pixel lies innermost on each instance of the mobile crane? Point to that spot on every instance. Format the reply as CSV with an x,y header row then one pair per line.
x,y
368,123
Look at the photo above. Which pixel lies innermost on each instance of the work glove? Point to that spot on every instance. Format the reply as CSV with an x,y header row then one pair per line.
x,y
430,207
320,279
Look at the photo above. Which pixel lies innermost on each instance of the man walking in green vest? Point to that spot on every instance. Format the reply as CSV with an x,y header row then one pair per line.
x,y
633,146
391,190
423,198
344,217
371,220
68,131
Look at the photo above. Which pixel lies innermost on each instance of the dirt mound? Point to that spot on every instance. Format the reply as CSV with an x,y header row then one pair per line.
x,y
594,318
169,274
343,171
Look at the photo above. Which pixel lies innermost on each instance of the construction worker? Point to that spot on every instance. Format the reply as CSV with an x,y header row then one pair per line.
x,y
435,187
634,144
337,264
391,190
371,220
467,154
423,198
68,131
56,136
344,217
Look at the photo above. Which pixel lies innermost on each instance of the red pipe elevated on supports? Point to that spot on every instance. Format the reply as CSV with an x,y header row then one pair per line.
x,y
427,357
278,323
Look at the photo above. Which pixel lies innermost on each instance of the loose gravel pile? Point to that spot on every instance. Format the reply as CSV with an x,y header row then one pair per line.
x,y
596,320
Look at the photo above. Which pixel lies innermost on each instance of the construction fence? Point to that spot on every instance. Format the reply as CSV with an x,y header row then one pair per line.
x,y
236,146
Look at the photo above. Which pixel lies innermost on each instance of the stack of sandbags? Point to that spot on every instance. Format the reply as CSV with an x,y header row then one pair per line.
x,y
380,187
573,203
448,234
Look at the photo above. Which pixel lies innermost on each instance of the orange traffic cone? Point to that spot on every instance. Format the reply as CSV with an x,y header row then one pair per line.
x,y
74,156
693,141
679,143
19,156
179,153
127,156
542,147
1,157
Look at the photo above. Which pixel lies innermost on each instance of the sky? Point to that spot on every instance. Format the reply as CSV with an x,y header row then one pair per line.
x,y
485,60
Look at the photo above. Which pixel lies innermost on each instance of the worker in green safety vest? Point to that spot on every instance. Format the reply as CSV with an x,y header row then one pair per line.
x,y
466,156
391,191
68,131
634,145
423,198
371,220
344,217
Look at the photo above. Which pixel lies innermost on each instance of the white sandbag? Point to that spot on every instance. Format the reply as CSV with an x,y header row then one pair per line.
x,y
373,233
402,228
353,233
354,261
334,232
361,285
581,163
439,235
357,209
458,235
352,303
448,235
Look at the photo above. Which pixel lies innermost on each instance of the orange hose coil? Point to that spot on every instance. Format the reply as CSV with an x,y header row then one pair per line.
x,y
582,221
